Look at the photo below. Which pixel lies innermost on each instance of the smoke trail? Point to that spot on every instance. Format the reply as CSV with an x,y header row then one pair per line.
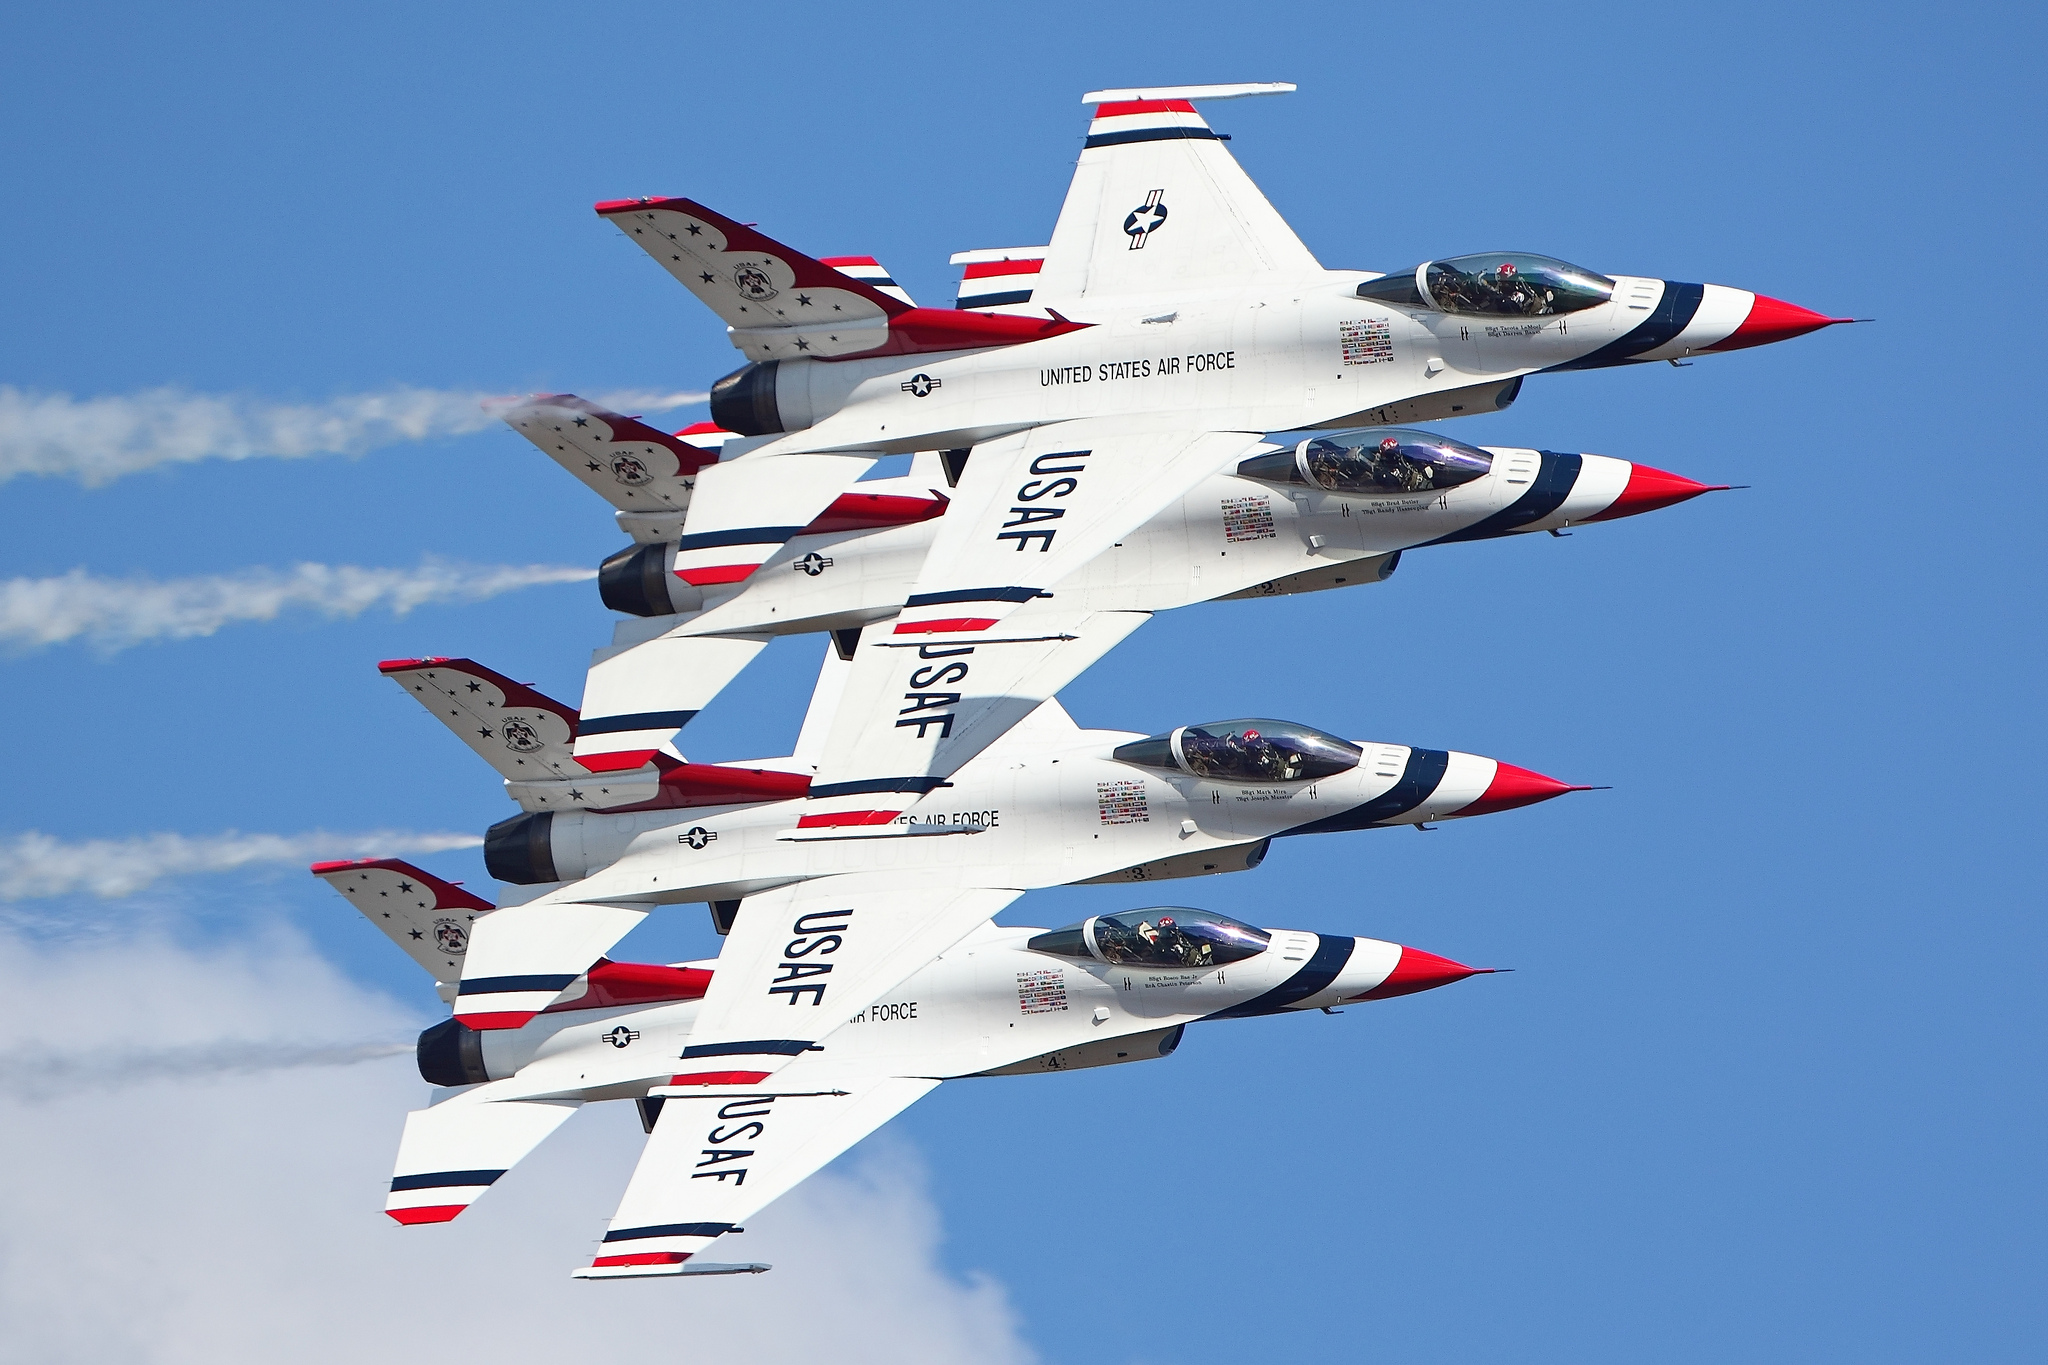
x,y
37,864
114,613
38,1074
98,440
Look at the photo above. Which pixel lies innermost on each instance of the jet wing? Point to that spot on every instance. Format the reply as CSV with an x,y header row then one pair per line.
x,y
1157,203
514,967
714,1159
985,634
801,960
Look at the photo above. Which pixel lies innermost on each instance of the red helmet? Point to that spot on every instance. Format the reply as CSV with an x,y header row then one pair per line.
x,y
1507,268
1389,445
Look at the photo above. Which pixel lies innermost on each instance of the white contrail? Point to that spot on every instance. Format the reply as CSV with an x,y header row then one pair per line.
x,y
42,1074
98,440
38,864
114,613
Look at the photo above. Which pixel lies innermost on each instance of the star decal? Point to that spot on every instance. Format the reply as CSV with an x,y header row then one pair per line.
x,y
707,277
484,730
405,886
802,345
593,466
476,687
696,230
582,422
837,309
417,934
803,300
575,795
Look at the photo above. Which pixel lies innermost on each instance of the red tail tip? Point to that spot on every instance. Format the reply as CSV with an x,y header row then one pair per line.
x,y
1420,971
1774,320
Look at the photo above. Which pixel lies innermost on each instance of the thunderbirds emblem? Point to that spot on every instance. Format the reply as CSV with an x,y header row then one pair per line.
x,y
753,281
520,737
1145,220
629,470
451,937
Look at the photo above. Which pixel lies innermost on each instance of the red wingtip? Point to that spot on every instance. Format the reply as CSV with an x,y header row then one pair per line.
x,y
406,665
1774,320
1420,971
1649,489
431,1213
1512,787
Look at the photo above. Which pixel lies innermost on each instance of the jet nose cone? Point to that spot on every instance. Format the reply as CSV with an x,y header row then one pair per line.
x,y
1774,320
1649,489
1420,971
1512,787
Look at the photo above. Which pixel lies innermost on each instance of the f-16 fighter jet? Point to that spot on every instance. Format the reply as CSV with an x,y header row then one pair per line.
x,y
1119,987
1049,804
1301,514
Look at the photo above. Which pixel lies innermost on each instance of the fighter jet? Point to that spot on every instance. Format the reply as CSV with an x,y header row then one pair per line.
x,y
1114,988
1300,513
1049,804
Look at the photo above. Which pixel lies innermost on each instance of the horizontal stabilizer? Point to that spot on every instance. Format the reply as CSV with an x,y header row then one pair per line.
x,y
523,958
637,696
428,917
872,273
999,280
629,464
453,1152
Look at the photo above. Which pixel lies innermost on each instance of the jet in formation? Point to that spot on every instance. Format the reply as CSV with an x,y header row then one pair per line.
x,y
1171,402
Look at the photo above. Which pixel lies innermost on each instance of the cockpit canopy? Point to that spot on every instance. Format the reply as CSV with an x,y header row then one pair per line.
x,y
1377,462
1244,751
1165,936
1498,284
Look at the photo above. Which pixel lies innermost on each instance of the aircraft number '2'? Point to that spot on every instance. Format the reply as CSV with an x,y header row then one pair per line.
x,y
1052,480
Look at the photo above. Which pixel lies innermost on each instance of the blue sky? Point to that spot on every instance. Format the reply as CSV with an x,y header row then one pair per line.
x,y
1766,1082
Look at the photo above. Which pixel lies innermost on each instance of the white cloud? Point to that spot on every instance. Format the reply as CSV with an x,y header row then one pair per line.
x,y
114,613
98,440
238,1218
38,864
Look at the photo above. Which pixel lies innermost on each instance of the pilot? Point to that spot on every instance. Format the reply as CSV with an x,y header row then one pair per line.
x,y
1169,944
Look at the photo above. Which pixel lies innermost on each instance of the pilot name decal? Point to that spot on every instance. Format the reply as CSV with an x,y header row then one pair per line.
x,y
1042,992
819,940
1122,803
729,1128
1248,519
1200,362
1366,341
934,676
1032,490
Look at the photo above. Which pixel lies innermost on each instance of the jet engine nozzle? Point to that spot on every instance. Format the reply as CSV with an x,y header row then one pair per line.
x,y
637,581
521,850
452,1053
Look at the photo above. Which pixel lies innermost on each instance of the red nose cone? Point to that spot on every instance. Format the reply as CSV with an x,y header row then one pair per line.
x,y
1512,787
1648,489
1773,320
1420,971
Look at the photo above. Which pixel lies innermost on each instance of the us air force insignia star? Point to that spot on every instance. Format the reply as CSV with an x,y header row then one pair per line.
x,y
812,564
1145,220
621,1036
920,385
696,836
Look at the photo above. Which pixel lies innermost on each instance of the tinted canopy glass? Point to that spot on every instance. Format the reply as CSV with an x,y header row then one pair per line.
x,y
1165,936
1513,284
1245,751
1377,462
